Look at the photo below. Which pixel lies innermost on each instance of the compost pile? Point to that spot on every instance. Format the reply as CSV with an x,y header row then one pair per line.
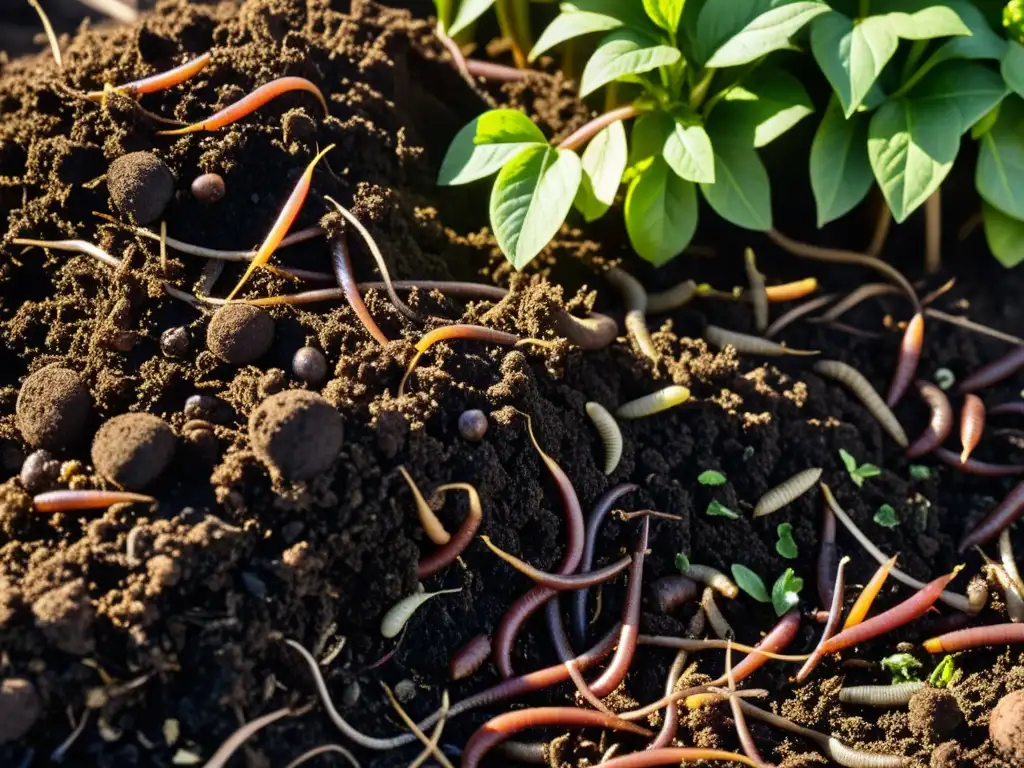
x,y
164,624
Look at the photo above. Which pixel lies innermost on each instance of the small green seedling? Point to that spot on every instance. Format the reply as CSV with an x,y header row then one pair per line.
x,y
682,562
901,666
711,477
858,473
716,509
920,472
750,583
885,516
786,545
786,591
946,674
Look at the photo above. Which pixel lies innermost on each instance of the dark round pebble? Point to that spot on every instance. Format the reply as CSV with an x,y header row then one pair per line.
x,y
174,342
934,714
53,407
208,188
473,425
19,708
1006,727
39,472
296,433
240,333
140,185
310,365
132,450
202,407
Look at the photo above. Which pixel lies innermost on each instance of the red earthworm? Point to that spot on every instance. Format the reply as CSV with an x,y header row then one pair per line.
x,y
68,501
676,756
861,387
1015,408
470,657
556,581
940,424
719,624
998,520
746,344
963,639
446,554
500,728
867,596
669,592
671,720
457,331
897,695
906,365
972,424
776,498
778,639
827,557
835,613
758,295
787,318
672,298
994,372
251,103
346,280
556,631
976,467
635,298
578,600
158,82
714,578
798,289
900,614
855,297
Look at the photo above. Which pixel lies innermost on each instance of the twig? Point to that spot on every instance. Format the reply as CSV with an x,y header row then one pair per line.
x,y
430,744
881,231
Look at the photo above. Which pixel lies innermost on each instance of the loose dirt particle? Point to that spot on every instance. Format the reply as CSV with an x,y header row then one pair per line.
x,y
1006,727
132,449
296,433
65,616
934,714
141,185
946,755
52,407
240,333
19,708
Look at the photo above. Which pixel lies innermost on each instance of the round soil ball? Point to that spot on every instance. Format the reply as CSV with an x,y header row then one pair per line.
x,y
296,433
19,708
934,714
240,333
1006,727
140,185
132,450
52,407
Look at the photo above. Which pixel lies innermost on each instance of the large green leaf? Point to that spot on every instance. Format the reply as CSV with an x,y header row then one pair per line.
x,y
661,213
999,176
840,169
1005,235
912,146
934,21
982,43
970,88
629,12
716,22
469,11
770,31
767,104
569,25
648,136
741,193
665,13
852,56
624,52
1012,67
531,198
688,152
604,161
485,144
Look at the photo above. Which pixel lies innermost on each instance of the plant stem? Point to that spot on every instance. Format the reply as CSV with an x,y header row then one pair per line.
x,y
933,233
917,50
882,225
514,22
582,135
700,90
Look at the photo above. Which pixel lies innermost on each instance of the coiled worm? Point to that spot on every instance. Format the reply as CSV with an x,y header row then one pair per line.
x,y
399,614
861,387
758,294
972,425
745,344
940,423
656,402
68,501
787,492
898,695
610,434
906,364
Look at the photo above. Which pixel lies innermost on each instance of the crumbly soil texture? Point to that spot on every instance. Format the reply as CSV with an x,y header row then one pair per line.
x,y
162,625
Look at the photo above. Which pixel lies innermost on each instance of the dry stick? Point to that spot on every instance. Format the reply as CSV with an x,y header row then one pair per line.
x,y
970,325
243,734
582,135
346,280
431,745
933,233
50,35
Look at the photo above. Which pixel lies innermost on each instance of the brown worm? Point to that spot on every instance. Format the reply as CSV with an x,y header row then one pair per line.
x,y
972,425
828,556
940,424
635,298
880,695
713,578
722,629
758,294
785,493
994,372
788,318
673,298
976,467
669,592
346,281
1015,408
745,344
861,387
999,519
855,297
671,719
446,555
906,365
470,657
560,582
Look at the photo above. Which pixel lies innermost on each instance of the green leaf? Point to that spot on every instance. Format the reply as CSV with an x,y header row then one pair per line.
x,y
741,193
531,198
945,674
665,13
786,591
999,175
624,52
484,145
852,56
770,103
648,136
984,125
1005,235
711,477
885,516
604,161
937,20
688,152
920,472
911,147
661,213
715,509
868,470
1012,67
569,25
444,9
717,22
750,583
848,461
682,562
770,31
969,88
901,666
786,545
469,11
982,43
840,170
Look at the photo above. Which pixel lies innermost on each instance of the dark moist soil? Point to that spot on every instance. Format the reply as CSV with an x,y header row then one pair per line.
x,y
166,623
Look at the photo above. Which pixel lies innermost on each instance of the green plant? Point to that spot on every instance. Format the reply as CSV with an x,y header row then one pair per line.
x,y
786,545
920,472
858,473
885,516
750,583
711,477
682,562
786,591
708,100
901,666
946,674
716,509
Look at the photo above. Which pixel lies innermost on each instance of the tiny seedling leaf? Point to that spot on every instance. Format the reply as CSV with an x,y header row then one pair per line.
x,y
920,472
469,11
885,516
786,591
901,666
868,470
786,545
484,145
750,583
682,562
624,53
840,170
848,461
711,477
604,161
1005,235
945,674
715,509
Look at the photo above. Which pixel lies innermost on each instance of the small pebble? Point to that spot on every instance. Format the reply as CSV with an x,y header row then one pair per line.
x,y
202,406
240,333
141,185
19,708
209,188
473,425
1006,727
296,433
39,472
405,691
310,365
133,449
174,342
53,407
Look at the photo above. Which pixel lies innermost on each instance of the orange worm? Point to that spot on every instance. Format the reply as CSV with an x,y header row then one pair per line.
x,y
347,282
791,291
867,596
250,103
832,620
456,331
910,356
972,425
962,639
67,501
285,219
158,82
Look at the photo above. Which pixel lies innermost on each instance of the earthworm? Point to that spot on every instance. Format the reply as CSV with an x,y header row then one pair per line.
x,y
672,298
833,256
527,604
835,613
1015,408
336,749
855,297
852,330
670,723
457,544
786,493
610,434
994,372
158,82
428,520
959,602
656,402
798,289
528,752
565,654
635,298
970,325
902,613
68,501
906,364
719,624
787,318
578,600
827,557
999,519
398,615
1009,560
758,294
829,745
556,581
431,745
972,424
745,344
502,727
897,695
940,423
596,331
251,103
861,387
963,639
243,734
975,466
470,657
284,221
695,645
346,280
456,331
676,756
867,596
742,729
714,578
669,592
777,639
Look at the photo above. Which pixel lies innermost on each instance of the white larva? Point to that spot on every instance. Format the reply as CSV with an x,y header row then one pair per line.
x,y
714,578
781,495
862,388
399,614
656,402
611,436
